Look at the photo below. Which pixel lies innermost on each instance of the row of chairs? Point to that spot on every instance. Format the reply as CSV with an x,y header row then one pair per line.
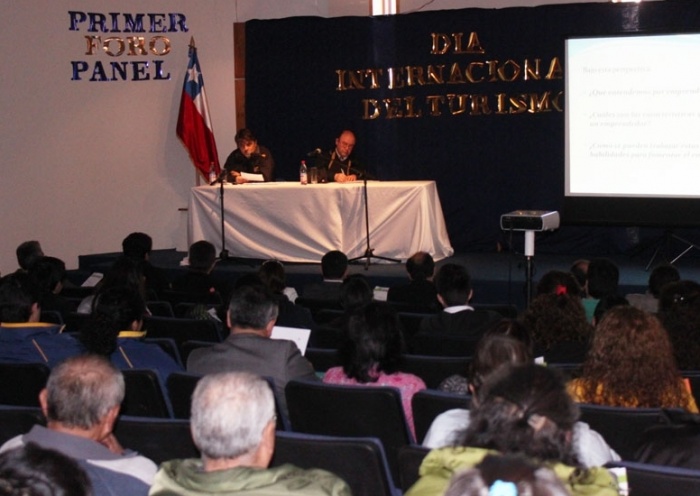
x,y
361,461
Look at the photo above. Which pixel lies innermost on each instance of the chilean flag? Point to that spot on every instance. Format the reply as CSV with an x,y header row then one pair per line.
x,y
194,126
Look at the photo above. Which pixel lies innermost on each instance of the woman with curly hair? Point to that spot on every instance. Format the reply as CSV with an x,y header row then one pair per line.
x,y
557,322
631,364
520,410
371,355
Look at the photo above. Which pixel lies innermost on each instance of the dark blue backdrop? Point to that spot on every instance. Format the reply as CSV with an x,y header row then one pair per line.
x,y
484,165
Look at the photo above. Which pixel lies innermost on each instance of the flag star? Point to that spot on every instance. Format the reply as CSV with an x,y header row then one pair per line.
x,y
193,74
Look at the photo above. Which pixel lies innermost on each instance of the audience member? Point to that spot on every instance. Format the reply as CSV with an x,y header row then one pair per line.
x,y
28,253
124,272
199,280
454,288
506,475
679,312
630,363
251,316
419,294
48,274
334,267
558,282
23,338
233,426
250,158
605,304
659,277
371,356
34,471
493,352
137,246
271,275
602,280
559,328
522,410
355,292
114,331
81,403
579,269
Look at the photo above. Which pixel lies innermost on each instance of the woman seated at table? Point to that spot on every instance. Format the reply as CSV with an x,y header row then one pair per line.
x,y
631,364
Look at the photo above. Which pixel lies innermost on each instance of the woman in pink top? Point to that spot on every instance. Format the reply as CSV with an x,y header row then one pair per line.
x,y
371,356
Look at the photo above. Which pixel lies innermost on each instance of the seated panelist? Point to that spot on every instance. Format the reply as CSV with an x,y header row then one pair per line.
x,y
248,157
339,165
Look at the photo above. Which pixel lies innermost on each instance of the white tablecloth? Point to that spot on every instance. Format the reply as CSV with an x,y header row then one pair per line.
x,y
299,223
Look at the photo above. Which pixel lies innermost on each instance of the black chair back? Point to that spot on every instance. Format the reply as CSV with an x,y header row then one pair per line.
x,y
442,345
181,330
622,428
326,337
410,459
428,404
190,345
434,369
658,480
360,462
21,383
322,359
160,308
157,439
144,395
17,420
180,386
351,411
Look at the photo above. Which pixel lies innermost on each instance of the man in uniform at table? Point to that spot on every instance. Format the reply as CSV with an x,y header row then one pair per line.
x,y
338,165
249,157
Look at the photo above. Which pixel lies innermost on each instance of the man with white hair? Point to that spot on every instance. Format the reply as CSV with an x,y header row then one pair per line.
x,y
81,402
233,426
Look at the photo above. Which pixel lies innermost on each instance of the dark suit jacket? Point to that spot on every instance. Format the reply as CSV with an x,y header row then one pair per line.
x,y
467,323
276,358
417,296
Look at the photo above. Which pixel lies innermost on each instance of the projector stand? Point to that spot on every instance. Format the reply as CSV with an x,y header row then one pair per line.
x,y
529,254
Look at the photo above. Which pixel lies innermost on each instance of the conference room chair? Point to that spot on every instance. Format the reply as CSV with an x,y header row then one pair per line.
x,y
442,345
434,369
361,462
429,403
316,305
322,359
621,427
410,323
659,480
326,337
75,321
326,315
160,308
21,383
51,317
168,345
350,411
410,459
17,420
186,310
144,396
159,439
181,386
190,345
181,330
77,292
176,297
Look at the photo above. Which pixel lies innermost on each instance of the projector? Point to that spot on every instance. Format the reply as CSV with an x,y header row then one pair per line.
x,y
530,220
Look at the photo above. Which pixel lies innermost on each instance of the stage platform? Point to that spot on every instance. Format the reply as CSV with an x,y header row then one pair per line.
x,y
498,278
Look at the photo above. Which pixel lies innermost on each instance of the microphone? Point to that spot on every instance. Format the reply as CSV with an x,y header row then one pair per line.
x,y
313,153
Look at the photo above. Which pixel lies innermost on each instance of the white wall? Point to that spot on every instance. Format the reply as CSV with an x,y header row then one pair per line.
x,y
85,163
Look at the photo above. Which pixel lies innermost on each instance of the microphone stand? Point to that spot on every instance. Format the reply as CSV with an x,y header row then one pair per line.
x,y
369,251
220,180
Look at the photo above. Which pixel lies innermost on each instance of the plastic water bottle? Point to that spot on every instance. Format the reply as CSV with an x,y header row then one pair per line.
x,y
303,177
212,173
